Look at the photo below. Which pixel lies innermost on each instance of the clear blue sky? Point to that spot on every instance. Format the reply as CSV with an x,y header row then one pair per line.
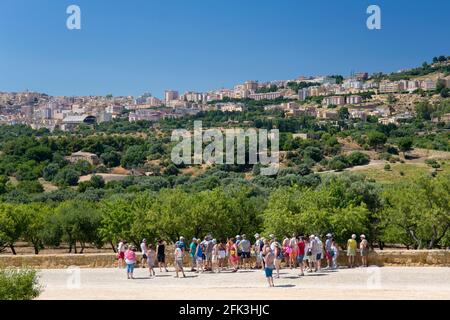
x,y
129,47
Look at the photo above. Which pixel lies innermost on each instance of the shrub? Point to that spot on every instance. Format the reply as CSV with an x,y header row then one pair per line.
x,y
387,167
19,284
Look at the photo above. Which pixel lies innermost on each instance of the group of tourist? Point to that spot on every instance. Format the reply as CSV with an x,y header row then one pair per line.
x,y
304,252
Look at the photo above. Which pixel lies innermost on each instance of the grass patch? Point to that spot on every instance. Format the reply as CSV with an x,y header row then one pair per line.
x,y
400,171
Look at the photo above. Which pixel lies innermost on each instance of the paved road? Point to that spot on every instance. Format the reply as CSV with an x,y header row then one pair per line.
x,y
369,283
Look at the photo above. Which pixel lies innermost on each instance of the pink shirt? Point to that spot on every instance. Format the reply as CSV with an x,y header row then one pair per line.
x,y
130,256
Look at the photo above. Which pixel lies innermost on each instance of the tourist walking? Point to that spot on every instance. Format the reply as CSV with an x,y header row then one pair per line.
x,y
239,251
277,250
222,255
179,254
144,250
328,251
364,250
209,245
161,255
313,253
351,251
199,256
192,250
301,254
293,251
130,260
319,251
287,251
234,257
121,254
151,258
269,260
245,248
257,249
266,245
335,251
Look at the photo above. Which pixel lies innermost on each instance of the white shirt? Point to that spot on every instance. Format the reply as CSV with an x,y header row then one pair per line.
x,y
144,248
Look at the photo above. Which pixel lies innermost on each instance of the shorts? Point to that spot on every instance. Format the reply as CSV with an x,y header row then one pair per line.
x,y
259,257
300,258
245,255
351,252
161,258
208,256
222,254
150,263
364,252
268,272
199,259
239,253
312,258
144,256
130,267
319,256
121,255
179,264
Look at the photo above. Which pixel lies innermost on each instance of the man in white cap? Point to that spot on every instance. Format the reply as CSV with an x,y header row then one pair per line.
x,y
192,250
351,251
144,250
257,248
364,249
245,248
328,252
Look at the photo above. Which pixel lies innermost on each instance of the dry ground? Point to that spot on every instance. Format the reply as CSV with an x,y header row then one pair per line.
x,y
369,283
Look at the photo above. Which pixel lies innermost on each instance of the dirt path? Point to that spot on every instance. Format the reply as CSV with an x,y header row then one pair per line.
x,y
371,283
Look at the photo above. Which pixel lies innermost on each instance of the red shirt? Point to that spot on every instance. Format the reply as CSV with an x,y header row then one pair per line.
x,y
301,248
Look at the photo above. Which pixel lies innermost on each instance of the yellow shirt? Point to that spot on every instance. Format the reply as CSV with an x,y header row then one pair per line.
x,y
352,244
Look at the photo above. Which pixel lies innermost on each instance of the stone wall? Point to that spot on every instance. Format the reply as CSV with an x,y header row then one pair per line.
x,y
439,258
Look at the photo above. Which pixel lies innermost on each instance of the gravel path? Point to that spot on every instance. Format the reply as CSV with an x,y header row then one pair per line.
x,y
369,283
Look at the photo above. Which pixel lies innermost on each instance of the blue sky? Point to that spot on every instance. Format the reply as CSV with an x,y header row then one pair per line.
x,y
130,47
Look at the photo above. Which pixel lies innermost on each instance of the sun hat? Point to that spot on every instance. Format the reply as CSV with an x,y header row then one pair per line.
x,y
353,236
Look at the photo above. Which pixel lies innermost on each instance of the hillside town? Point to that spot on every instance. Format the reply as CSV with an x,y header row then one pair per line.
x,y
320,96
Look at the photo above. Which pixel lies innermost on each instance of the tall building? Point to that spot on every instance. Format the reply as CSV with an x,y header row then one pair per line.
x,y
251,86
303,94
171,95
334,100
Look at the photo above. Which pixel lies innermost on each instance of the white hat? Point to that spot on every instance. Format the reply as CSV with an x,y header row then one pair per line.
x,y
363,236
257,235
353,236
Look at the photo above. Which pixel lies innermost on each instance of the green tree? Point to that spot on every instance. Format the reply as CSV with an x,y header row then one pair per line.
x,y
80,221
13,224
36,215
424,110
405,144
417,212
376,139
67,177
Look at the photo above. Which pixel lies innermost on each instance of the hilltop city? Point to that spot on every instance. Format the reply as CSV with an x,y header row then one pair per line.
x,y
318,96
